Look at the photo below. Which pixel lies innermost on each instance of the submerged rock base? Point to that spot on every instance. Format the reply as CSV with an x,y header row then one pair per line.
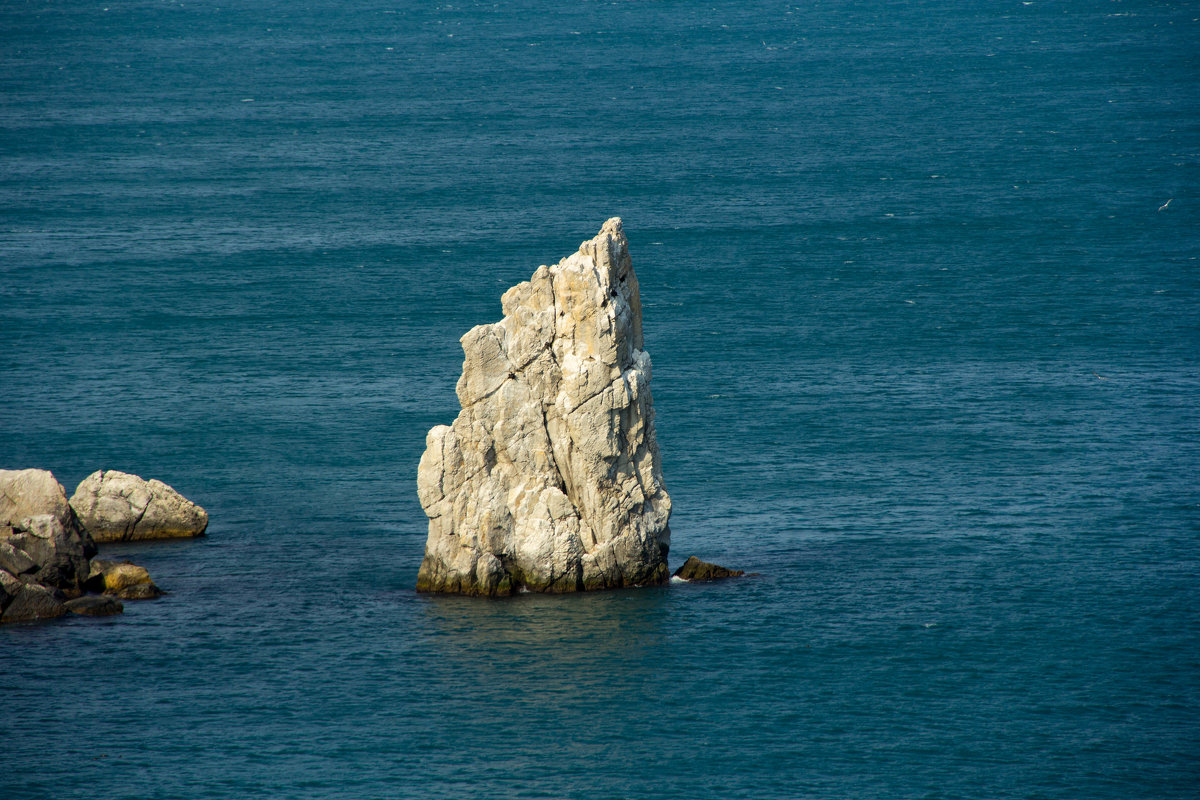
x,y
550,479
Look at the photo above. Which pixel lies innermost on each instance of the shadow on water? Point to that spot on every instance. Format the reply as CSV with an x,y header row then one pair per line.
x,y
543,663
559,631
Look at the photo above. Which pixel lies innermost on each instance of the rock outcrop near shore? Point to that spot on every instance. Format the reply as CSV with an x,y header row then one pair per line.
x,y
550,478
119,507
44,551
47,563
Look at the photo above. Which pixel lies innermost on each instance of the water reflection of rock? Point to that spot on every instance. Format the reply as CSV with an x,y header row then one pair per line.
x,y
586,650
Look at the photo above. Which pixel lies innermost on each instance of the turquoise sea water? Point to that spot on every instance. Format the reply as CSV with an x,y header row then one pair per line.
x,y
926,356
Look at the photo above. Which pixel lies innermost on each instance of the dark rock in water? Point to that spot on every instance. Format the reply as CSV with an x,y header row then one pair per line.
x,y
27,601
95,579
58,550
138,591
696,570
117,507
94,605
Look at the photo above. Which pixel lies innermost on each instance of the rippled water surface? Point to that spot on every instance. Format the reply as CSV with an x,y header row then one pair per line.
x,y
926,357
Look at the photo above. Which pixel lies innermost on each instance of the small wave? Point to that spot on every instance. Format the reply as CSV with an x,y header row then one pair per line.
x,y
677,579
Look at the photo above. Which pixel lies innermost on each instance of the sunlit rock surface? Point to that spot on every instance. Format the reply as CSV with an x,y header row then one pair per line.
x,y
550,479
116,507
44,551
47,562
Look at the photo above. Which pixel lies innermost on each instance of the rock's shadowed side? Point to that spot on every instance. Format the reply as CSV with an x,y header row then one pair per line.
x,y
550,480
94,605
117,507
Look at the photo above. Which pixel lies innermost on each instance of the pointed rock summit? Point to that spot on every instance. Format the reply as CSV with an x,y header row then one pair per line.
x,y
550,479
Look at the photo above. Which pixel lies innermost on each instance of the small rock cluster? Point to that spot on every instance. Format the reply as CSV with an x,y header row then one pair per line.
x,y
48,564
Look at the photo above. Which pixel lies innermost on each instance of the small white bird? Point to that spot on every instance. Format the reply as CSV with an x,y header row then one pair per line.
x,y
1163,207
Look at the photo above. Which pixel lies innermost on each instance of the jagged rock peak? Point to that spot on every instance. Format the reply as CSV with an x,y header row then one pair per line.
x,y
550,478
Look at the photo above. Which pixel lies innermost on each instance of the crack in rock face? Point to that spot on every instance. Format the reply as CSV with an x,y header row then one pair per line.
x,y
116,507
550,478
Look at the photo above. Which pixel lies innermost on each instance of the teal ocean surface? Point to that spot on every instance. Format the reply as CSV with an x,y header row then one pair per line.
x,y
922,293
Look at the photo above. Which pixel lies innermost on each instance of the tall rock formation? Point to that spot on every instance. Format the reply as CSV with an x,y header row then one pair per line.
x,y
550,478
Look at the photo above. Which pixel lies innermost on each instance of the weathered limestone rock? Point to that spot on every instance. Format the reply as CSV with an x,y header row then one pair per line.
x,y
41,540
30,492
117,507
696,570
25,600
15,561
550,478
59,552
46,561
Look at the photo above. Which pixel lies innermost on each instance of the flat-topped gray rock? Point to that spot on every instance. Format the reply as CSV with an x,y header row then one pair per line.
x,y
118,507
550,478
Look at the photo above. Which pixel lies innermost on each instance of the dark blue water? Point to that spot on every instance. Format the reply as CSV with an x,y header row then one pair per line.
x,y
927,356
